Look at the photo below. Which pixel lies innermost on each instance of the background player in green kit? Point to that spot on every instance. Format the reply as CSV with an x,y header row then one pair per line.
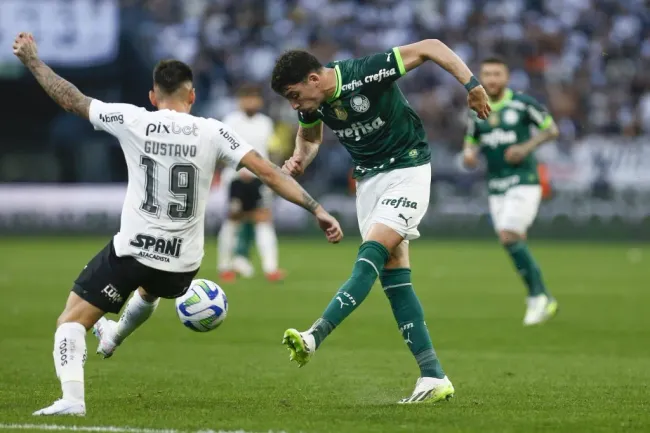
x,y
360,101
506,141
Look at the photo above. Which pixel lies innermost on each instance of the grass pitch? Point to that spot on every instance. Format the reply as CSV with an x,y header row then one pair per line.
x,y
586,371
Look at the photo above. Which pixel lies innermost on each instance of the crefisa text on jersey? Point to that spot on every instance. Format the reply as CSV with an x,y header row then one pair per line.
x,y
170,149
157,248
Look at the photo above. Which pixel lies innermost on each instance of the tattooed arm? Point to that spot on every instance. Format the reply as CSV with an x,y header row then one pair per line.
x,y
63,92
286,187
283,184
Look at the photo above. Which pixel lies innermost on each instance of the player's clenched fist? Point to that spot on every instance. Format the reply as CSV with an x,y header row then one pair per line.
x,y
329,225
294,166
25,47
477,99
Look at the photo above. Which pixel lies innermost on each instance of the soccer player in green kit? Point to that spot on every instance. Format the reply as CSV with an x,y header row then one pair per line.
x,y
360,101
506,141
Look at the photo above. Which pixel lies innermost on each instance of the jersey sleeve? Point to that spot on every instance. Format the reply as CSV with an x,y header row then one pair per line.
x,y
383,67
309,120
231,147
471,133
538,114
112,118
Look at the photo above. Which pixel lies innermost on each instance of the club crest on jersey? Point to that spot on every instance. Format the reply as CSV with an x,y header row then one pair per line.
x,y
510,117
359,103
339,111
494,120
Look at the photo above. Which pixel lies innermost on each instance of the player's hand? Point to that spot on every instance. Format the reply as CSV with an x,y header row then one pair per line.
x,y
477,99
470,158
294,166
329,225
517,153
25,47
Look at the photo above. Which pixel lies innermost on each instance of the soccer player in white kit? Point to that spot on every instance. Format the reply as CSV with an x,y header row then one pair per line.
x,y
171,156
249,200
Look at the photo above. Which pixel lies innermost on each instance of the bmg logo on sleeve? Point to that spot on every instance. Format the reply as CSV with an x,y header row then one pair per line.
x,y
112,118
234,144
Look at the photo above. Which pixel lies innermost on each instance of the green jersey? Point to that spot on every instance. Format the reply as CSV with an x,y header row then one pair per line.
x,y
371,117
509,123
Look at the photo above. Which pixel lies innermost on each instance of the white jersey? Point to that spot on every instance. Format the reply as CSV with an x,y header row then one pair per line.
x,y
256,130
171,159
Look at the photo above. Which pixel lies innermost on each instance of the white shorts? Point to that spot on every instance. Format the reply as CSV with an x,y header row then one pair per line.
x,y
515,210
398,199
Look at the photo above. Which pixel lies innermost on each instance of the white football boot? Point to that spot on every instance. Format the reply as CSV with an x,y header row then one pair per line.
x,y
430,390
104,330
243,267
540,308
301,345
63,407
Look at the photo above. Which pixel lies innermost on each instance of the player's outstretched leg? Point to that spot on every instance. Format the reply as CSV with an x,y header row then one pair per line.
x,y
541,306
241,263
370,262
225,246
111,334
433,385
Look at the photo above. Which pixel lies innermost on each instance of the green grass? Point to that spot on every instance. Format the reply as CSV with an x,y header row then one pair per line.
x,y
586,371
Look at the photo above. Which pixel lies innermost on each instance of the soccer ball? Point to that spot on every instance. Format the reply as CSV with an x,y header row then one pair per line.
x,y
203,307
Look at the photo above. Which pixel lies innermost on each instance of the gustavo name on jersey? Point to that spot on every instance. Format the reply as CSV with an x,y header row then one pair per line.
x,y
359,129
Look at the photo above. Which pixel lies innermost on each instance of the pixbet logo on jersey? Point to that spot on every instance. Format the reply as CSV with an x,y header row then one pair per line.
x,y
112,117
156,248
161,128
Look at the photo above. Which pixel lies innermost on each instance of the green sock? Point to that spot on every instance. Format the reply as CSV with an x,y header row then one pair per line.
x,y
527,267
370,262
410,320
245,239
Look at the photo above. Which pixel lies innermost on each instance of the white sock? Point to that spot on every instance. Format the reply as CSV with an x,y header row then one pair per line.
x,y
267,246
69,359
226,244
136,312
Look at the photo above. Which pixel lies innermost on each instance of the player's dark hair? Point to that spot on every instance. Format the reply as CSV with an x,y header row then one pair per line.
x,y
249,90
293,67
494,60
170,75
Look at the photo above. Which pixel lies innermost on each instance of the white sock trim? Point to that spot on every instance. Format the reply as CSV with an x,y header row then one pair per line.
x,y
363,259
398,285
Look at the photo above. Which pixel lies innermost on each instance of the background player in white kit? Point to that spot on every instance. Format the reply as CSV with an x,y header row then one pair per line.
x,y
171,156
249,200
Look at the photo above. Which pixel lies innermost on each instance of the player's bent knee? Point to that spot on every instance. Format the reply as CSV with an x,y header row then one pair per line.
x,y
80,311
385,235
146,296
399,257
507,237
262,215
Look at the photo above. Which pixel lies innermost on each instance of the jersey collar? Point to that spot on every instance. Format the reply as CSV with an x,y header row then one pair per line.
x,y
501,103
337,93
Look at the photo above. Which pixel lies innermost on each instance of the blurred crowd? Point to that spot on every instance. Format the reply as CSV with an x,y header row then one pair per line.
x,y
585,59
